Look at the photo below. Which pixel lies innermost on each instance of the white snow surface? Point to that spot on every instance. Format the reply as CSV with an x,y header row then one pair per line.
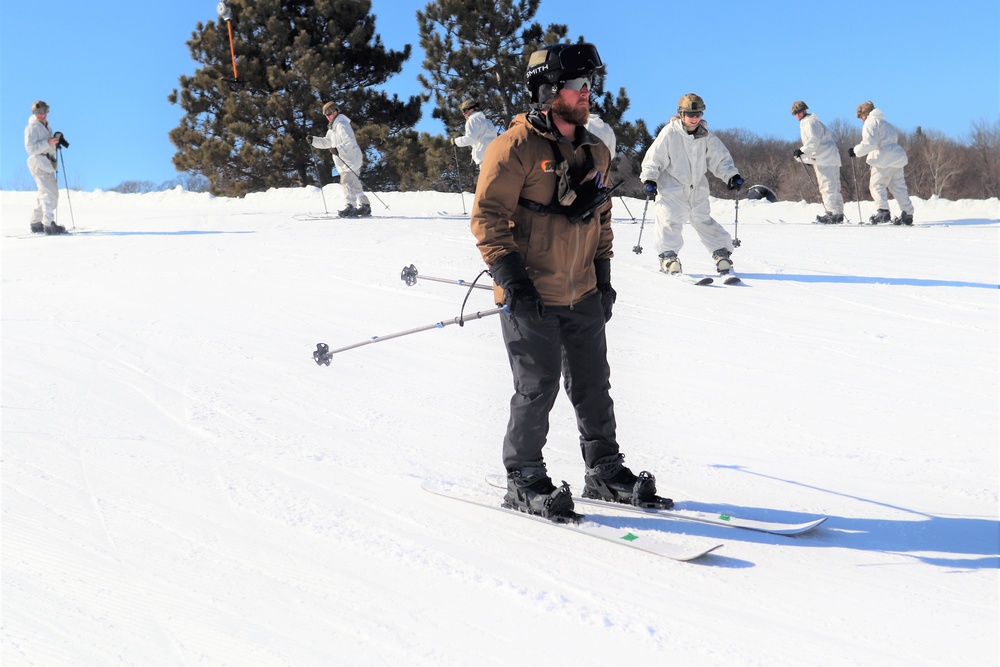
x,y
183,485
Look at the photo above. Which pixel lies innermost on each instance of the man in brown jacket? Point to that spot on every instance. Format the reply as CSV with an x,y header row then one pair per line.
x,y
542,220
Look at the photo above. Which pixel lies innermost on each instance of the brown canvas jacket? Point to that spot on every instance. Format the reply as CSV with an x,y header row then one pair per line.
x,y
559,255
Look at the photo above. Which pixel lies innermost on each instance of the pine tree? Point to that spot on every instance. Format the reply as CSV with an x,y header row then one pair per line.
x,y
247,132
479,49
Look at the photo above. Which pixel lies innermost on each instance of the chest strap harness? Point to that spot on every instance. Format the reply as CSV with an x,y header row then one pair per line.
x,y
580,190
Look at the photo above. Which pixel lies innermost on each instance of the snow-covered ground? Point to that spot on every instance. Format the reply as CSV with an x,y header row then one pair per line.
x,y
183,485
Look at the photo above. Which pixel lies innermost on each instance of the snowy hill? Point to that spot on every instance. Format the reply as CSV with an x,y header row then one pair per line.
x,y
182,484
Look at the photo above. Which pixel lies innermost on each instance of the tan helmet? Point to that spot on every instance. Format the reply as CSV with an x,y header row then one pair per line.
x,y
468,105
865,108
798,107
329,108
39,107
690,102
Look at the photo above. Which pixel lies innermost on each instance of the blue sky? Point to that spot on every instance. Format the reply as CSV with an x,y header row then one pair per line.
x,y
106,68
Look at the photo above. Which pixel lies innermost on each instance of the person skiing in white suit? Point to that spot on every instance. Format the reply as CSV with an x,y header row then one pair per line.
x,y
41,144
479,131
673,171
820,150
880,142
347,158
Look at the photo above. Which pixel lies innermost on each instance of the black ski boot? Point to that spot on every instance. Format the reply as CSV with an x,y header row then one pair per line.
x,y
722,261
348,211
904,219
37,228
52,229
829,219
613,482
530,490
882,215
364,211
669,262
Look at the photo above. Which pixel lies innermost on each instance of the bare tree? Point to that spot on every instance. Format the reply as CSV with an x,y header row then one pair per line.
x,y
984,141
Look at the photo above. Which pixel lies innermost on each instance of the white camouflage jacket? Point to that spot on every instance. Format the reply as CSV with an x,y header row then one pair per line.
x,y
341,136
880,142
818,144
678,162
41,156
479,132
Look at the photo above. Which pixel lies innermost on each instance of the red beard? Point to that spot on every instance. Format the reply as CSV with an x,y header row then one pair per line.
x,y
577,114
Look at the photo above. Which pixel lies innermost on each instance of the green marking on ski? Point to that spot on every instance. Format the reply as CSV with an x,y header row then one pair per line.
x,y
725,517
629,537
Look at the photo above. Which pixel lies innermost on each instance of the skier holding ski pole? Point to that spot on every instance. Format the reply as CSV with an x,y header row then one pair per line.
x,y
543,185
41,145
347,155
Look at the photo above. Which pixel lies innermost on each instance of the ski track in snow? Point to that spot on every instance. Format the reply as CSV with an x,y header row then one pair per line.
x,y
182,484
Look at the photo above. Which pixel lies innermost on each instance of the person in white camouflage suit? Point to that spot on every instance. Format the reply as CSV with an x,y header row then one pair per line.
x,y
880,142
479,131
43,163
819,149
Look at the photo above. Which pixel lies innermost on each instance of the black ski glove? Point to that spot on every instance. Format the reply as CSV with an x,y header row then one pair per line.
x,y
798,153
520,297
735,183
335,151
309,140
850,151
649,187
602,267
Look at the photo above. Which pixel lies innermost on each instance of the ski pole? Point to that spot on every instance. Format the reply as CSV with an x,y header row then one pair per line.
x,y
312,159
323,353
637,248
458,174
66,181
857,192
359,180
226,16
409,276
626,208
736,228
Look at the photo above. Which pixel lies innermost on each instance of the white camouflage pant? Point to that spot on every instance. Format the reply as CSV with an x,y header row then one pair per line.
x,y
828,179
886,181
670,237
48,196
353,192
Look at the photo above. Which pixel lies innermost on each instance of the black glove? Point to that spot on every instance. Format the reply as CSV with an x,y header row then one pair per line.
x,y
608,294
798,153
334,151
735,183
520,297
309,140
649,187
62,143
850,151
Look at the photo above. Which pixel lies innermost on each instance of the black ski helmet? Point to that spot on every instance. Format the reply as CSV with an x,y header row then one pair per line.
x,y
550,65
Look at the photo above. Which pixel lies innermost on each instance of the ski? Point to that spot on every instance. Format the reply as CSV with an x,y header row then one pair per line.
x,y
691,279
721,519
40,235
730,278
718,519
597,526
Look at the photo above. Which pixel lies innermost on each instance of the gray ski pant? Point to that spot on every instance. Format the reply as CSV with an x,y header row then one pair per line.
x,y
567,342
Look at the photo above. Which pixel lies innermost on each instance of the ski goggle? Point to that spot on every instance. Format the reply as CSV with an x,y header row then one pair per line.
x,y
692,114
578,83
579,58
